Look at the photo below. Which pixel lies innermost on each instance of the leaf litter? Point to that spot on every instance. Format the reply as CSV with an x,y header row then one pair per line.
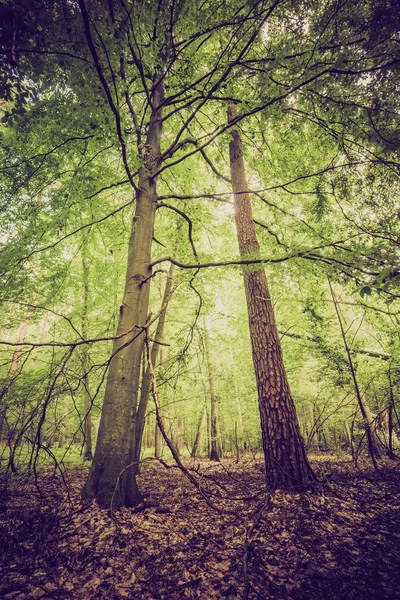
x,y
338,539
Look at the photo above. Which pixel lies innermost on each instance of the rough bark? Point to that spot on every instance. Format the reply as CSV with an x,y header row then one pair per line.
x,y
285,457
112,479
146,380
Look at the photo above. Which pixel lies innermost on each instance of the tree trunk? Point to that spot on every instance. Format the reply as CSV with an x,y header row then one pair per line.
x,y
112,480
199,433
214,450
365,413
285,457
146,379
208,432
158,439
239,430
12,373
379,448
176,435
389,417
349,438
237,447
87,400
149,433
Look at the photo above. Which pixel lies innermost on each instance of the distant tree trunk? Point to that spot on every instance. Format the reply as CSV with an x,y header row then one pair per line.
x,y
390,432
112,480
366,415
239,431
149,433
176,435
208,432
237,446
389,413
285,457
349,437
214,430
18,352
87,400
199,433
2,421
220,447
320,433
158,439
313,427
379,448
12,372
146,379
43,327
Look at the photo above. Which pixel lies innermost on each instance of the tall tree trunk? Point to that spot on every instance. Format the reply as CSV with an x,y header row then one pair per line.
x,y
112,480
146,379
285,457
214,450
87,400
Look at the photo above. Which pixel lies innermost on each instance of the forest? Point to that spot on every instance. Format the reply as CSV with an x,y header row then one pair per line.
x,y
199,303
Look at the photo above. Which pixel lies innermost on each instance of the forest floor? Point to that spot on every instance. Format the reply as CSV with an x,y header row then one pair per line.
x,y
339,539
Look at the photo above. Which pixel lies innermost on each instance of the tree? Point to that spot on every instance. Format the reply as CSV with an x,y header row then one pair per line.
x,y
215,453
285,458
112,478
146,380
87,404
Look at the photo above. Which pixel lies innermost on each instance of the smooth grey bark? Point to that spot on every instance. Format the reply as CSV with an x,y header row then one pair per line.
x,y
112,479
146,379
